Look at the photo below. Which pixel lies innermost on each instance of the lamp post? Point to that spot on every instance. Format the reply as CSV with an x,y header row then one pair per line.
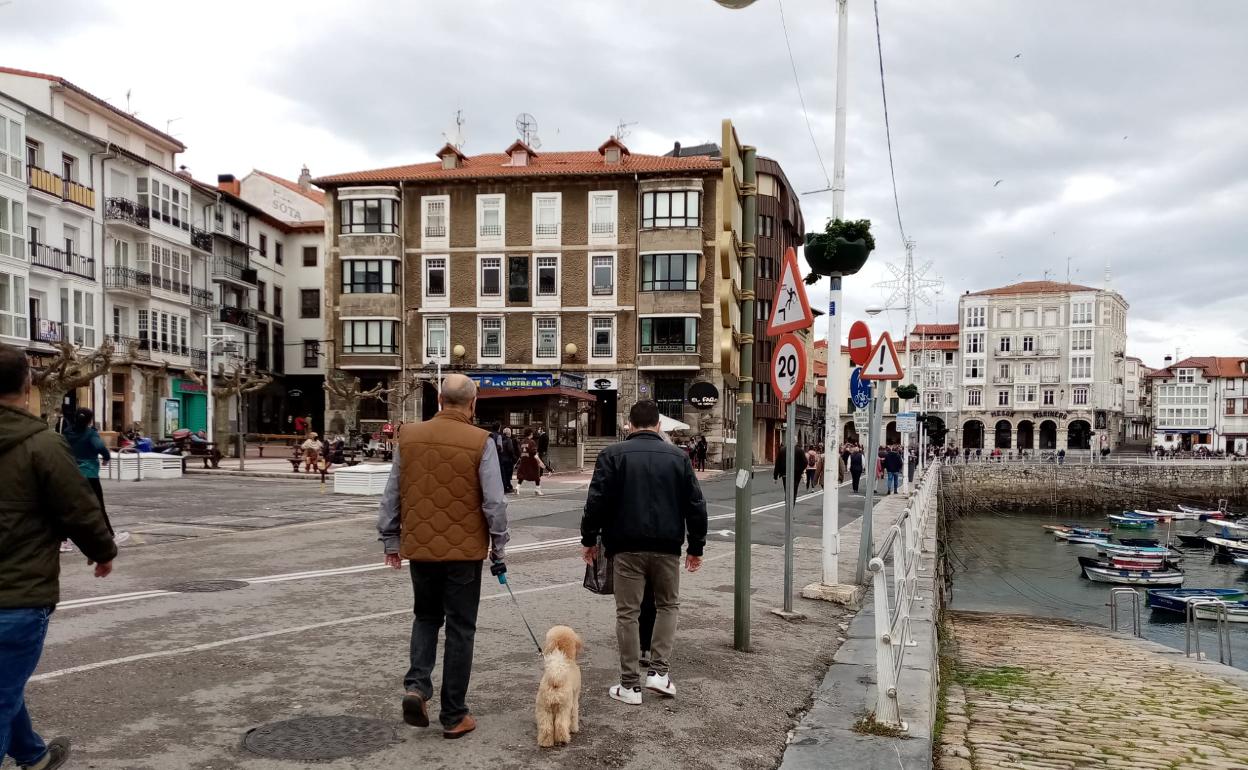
x,y
873,311
210,339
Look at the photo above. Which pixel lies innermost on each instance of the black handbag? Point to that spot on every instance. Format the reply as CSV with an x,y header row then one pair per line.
x,y
600,576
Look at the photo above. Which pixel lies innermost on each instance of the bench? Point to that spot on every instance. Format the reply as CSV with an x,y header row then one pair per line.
x,y
205,450
281,439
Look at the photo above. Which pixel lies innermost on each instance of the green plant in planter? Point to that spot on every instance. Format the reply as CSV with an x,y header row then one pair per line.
x,y
841,249
908,392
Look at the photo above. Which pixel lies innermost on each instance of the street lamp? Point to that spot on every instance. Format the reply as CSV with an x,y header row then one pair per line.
x,y
209,339
735,5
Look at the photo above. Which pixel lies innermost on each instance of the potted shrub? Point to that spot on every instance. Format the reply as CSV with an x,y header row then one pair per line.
x,y
841,249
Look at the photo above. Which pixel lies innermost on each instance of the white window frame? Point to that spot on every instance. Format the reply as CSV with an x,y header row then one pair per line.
x,y
976,317
13,234
428,301
1029,343
12,148
16,306
1079,396
1090,372
1003,397
974,343
482,358
546,300
597,359
558,339
435,241
1081,340
597,232
445,358
980,363
1082,312
1048,397
491,239
490,300
1005,344
602,300
974,397
547,239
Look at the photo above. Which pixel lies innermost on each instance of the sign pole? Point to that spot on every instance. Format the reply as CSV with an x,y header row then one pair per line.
x,y
790,492
831,535
873,430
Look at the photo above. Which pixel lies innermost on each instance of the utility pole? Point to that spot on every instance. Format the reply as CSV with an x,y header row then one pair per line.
x,y
745,401
909,288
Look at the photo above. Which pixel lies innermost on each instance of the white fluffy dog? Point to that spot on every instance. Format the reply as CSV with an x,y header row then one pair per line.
x,y
559,694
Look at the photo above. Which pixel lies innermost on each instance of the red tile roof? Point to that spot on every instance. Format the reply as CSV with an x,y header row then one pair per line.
x,y
314,195
933,344
1212,366
492,165
77,89
1033,287
921,329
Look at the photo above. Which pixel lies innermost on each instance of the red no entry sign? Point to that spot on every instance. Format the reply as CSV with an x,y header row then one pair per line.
x,y
859,343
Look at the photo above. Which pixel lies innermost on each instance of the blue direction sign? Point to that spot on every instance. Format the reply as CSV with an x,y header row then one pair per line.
x,y
859,389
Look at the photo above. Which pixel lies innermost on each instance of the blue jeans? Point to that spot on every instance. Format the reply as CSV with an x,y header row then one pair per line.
x,y
894,481
21,643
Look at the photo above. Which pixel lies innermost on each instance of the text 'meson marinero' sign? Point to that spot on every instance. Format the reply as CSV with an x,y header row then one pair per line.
x,y
703,395
526,380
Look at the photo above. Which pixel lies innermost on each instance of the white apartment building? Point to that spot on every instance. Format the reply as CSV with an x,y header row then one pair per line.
x,y
1201,402
1042,367
1137,410
935,366
14,268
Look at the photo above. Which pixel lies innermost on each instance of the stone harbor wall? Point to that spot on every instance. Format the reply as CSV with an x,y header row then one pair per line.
x,y
1093,488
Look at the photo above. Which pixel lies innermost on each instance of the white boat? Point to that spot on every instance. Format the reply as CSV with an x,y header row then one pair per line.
x,y
1168,577
1235,547
1178,515
1242,561
1236,612
1235,528
1199,511
1080,538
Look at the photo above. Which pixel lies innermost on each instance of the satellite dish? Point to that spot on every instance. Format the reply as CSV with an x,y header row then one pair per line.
x,y
526,126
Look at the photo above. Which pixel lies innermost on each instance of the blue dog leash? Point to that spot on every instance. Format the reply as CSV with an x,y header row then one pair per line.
x,y
499,570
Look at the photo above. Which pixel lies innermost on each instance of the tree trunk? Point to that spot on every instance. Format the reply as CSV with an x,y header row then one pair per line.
x,y
50,400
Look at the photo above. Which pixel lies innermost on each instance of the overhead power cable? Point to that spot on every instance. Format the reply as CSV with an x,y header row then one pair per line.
x,y
796,81
888,134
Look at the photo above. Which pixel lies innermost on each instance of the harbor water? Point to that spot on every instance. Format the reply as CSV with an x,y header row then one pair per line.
x,y
1006,562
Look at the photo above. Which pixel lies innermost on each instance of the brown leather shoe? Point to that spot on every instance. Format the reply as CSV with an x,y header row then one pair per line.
x,y
465,726
415,712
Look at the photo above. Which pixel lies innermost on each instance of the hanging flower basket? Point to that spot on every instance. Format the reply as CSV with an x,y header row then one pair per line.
x,y
842,249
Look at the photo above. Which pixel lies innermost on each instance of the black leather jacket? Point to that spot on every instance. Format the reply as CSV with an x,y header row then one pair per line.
x,y
644,497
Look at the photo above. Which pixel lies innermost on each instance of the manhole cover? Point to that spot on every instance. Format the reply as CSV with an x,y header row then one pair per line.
x,y
313,738
206,586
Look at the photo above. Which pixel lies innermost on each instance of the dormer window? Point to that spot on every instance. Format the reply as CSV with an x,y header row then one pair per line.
x,y
520,153
451,156
613,152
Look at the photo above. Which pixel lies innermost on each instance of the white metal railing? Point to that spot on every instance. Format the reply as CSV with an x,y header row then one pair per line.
x,y
904,544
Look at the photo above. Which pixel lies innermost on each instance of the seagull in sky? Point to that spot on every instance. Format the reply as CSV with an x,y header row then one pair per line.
x,y
1018,56
999,181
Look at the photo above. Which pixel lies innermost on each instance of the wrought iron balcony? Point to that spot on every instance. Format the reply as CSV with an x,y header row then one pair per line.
x,y
127,279
1050,352
1050,379
43,330
1002,379
233,269
201,239
201,298
236,317
126,210
51,258
491,231
124,345
199,358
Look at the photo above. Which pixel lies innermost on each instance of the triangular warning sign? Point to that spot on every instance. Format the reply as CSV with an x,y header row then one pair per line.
x,y
790,310
883,363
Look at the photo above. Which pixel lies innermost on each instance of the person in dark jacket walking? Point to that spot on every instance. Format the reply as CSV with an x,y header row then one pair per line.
x,y
644,501
543,449
43,498
508,452
893,465
856,466
794,466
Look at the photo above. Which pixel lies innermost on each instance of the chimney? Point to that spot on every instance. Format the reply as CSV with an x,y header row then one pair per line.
x,y
676,150
227,183
305,179
1167,361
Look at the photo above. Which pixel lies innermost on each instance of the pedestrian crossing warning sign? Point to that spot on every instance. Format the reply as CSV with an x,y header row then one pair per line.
x,y
790,310
883,363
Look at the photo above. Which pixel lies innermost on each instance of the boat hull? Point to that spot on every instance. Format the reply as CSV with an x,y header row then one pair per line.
x,y
1134,578
1236,612
1175,600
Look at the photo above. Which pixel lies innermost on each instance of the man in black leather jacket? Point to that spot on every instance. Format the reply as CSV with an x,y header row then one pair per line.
x,y
644,501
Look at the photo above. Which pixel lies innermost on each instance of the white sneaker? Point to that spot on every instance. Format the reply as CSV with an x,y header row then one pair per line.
x,y
121,537
540,492
625,695
661,683
66,547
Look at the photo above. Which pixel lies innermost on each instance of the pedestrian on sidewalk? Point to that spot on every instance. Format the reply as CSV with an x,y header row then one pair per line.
x,y
312,447
644,501
43,497
507,450
893,465
530,466
793,467
445,529
857,464
87,447
543,448
812,465
700,451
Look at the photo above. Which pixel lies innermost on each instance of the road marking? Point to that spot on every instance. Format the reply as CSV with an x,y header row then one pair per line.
x,y
266,635
765,508
149,525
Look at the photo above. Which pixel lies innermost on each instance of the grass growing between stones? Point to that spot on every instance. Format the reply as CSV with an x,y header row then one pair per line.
x,y
1000,679
948,674
869,726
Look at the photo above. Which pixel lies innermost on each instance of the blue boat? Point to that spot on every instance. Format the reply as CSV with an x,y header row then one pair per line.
x,y
1176,599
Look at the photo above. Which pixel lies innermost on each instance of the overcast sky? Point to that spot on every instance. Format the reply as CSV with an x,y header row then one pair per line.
x,y
1116,128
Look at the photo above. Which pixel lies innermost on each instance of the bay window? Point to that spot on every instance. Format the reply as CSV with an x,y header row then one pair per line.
x,y
671,208
369,337
669,272
368,215
368,276
669,335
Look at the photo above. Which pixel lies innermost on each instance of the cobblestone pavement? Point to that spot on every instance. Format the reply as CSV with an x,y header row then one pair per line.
x,y
1034,693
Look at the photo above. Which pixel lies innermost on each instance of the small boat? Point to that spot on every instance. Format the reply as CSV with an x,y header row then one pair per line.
x,y
1199,511
1236,612
1077,528
1178,515
1139,542
1242,561
1163,577
1131,521
1176,599
1231,528
1154,515
1193,540
1080,538
1118,549
1233,547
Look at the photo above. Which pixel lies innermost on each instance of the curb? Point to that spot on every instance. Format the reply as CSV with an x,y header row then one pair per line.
x,y
257,474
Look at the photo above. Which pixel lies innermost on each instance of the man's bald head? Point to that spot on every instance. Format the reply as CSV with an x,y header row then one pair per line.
x,y
458,392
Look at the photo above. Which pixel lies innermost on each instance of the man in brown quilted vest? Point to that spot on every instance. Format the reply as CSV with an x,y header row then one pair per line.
x,y
444,511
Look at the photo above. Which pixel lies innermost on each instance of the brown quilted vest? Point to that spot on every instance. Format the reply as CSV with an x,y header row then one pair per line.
x,y
440,490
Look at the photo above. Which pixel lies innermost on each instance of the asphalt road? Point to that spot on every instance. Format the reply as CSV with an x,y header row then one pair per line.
x,y
143,673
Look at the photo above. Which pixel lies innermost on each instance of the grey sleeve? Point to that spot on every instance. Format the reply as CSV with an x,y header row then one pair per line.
x,y
493,502
388,512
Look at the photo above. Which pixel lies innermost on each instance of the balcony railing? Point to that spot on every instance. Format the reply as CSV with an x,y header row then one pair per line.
x,y
602,228
235,269
65,189
201,298
236,317
127,279
201,239
491,231
692,348
435,231
199,358
124,345
1049,352
1002,379
43,330
51,258
126,210
1050,379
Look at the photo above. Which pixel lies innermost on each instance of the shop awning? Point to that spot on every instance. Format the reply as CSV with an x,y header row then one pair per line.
x,y
669,425
558,391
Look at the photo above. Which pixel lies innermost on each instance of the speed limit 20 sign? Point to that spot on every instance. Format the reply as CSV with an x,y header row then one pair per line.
x,y
788,368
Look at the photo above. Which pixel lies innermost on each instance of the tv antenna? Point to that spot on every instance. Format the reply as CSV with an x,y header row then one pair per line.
x,y
455,137
621,129
526,126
